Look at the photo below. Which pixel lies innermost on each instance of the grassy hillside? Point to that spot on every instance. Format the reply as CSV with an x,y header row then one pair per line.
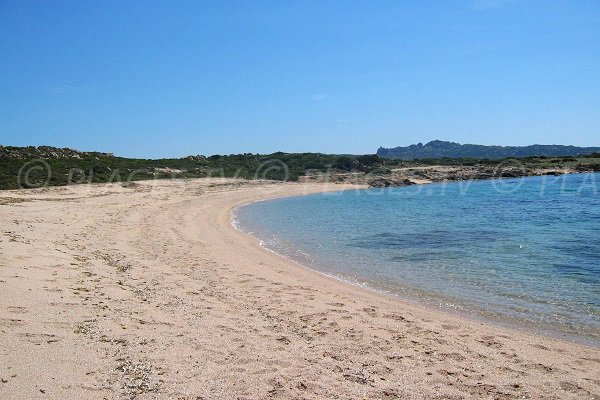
x,y
31,166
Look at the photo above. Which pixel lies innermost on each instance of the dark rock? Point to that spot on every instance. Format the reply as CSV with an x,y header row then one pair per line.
x,y
387,182
593,167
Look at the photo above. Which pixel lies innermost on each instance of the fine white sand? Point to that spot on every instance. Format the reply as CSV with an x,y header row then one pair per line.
x,y
149,292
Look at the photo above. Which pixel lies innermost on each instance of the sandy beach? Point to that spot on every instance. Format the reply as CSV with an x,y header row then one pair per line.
x,y
147,291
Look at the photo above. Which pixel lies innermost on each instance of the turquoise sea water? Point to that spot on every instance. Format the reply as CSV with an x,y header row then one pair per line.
x,y
523,252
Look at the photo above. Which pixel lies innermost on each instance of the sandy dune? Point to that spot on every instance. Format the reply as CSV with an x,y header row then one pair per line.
x,y
148,292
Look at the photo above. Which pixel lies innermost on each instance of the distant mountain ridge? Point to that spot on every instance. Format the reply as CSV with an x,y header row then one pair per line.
x,y
440,149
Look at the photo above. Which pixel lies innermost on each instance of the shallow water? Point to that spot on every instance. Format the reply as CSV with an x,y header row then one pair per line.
x,y
522,252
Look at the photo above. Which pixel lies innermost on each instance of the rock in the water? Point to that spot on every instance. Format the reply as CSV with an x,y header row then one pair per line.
x,y
386,182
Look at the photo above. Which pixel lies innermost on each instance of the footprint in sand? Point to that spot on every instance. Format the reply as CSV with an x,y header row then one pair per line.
x,y
17,310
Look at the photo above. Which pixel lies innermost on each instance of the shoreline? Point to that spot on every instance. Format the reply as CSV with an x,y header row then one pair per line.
x,y
475,315
148,291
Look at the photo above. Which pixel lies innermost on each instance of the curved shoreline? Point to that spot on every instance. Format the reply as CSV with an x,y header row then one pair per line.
x,y
513,325
149,292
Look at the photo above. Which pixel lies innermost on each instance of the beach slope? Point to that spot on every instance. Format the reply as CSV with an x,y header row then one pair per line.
x,y
147,291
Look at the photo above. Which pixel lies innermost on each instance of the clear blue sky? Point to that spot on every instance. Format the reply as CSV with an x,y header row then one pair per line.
x,y
156,79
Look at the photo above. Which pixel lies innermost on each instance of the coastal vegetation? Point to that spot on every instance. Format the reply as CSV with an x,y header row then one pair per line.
x,y
36,166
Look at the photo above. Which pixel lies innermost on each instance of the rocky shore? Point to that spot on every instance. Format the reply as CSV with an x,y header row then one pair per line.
x,y
440,173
